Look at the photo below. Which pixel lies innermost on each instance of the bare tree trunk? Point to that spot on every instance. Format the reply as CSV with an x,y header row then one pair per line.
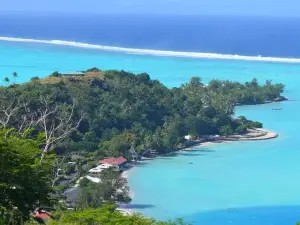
x,y
59,127
57,166
56,121
9,109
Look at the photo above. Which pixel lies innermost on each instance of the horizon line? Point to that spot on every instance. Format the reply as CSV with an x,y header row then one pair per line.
x,y
259,15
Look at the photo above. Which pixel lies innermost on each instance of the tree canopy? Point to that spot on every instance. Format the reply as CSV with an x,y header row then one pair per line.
x,y
122,109
24,183
111,188
106,216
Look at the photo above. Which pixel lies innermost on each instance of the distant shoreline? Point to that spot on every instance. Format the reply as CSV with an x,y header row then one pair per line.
x,y
260,135
257,134
154,52
254,135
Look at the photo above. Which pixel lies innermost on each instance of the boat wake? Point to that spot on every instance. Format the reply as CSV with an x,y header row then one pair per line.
x,y
200,55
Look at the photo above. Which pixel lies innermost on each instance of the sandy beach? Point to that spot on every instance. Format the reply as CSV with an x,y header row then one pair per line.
x,y
252,135
258,134
125,208
125,174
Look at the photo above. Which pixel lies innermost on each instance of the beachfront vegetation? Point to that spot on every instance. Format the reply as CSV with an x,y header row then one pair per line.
x,y
108,216
25,184
112,188
248,93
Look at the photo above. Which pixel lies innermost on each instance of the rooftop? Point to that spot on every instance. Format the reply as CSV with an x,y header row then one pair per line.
x,y
42,216
99,168
72,74
114,161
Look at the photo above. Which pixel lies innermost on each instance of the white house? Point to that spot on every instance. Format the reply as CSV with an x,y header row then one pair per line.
x,y
100,168
188,137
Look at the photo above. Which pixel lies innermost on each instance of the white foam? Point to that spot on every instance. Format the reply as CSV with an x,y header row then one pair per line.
x,y
155,52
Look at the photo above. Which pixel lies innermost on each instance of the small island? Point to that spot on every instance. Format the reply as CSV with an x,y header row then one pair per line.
x,y
89,124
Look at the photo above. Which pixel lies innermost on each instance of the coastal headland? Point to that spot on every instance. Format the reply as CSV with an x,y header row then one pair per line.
x,y
104,114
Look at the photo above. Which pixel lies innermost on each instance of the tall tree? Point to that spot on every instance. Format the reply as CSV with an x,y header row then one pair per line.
x,y
6,80
24,183
15,74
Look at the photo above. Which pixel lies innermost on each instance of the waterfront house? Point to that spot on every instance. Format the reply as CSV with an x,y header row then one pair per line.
x,y
188,137
100,168
149,153
188,141
119,162
153,152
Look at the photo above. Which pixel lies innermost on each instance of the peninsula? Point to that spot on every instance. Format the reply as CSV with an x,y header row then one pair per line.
x,y
85,117
117,110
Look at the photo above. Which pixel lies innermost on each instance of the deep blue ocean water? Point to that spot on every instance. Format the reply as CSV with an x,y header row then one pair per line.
x,y
265,36
247,183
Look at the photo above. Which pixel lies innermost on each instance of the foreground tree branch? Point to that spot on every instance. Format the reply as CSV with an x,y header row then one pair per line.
x,y
9,109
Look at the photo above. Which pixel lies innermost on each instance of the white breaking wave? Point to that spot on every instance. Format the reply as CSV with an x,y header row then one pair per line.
x,y
154,52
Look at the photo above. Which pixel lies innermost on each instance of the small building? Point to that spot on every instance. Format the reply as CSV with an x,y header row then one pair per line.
x,y
188,137
153,152
149,153
100,168
41,216
71,74
119,162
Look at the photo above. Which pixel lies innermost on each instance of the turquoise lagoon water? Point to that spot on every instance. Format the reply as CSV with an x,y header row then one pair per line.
x,y
238,183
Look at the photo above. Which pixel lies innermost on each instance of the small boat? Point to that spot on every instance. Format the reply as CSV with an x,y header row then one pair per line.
x,y
191,163
277,109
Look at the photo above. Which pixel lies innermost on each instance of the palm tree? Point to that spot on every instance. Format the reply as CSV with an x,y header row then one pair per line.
x,y
6,80
15,75
268,83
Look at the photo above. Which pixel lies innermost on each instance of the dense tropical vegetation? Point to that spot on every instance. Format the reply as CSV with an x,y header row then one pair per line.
x,y
113,188
106,216
122,109
24,183
48,122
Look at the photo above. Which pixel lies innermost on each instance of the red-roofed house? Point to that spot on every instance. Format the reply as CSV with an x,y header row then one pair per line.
x,y
42,217
120,162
